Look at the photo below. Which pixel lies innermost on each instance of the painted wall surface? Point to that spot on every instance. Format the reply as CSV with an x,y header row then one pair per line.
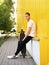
x,y
33,47
39,10
1,1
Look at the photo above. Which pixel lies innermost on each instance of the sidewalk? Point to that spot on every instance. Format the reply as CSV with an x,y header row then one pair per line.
x,y
8,48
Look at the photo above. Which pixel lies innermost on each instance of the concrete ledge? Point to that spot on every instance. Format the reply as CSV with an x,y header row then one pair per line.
x,y
36,38
33,47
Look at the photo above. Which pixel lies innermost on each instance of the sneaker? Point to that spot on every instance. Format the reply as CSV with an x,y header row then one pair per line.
x,y
12,57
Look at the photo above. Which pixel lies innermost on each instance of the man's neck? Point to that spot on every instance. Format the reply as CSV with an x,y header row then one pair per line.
x,y
28,20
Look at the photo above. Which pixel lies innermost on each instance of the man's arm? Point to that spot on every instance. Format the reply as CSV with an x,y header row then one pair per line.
x,y
27,32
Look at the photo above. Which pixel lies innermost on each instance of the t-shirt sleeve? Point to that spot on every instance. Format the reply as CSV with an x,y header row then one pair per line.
x,y
30,24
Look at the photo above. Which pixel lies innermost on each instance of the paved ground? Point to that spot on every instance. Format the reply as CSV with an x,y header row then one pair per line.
x,y
8,48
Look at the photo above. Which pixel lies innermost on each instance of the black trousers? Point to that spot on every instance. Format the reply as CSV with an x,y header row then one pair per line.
x,y
22,44
23,51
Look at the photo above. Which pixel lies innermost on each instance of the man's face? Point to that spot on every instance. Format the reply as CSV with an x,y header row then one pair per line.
x,y
27,16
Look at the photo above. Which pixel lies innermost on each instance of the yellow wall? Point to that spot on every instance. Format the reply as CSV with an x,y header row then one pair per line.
x,y
39,10
1,1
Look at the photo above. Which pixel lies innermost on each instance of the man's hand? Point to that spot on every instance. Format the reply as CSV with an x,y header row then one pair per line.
x,y
23,38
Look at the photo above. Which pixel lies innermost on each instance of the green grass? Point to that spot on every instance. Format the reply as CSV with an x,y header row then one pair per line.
x,y
2,40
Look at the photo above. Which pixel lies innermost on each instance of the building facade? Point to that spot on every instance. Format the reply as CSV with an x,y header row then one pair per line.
x,y
39,10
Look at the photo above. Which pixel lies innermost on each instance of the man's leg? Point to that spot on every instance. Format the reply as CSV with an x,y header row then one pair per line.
x,y
18,45
28,38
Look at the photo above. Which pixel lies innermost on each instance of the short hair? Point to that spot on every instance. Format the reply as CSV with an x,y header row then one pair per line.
x,y
27,13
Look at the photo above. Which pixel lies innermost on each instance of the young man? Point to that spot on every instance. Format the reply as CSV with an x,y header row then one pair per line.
x,y
30,33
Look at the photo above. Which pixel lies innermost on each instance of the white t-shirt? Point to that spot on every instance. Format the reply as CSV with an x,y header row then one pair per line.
x,y
31,24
